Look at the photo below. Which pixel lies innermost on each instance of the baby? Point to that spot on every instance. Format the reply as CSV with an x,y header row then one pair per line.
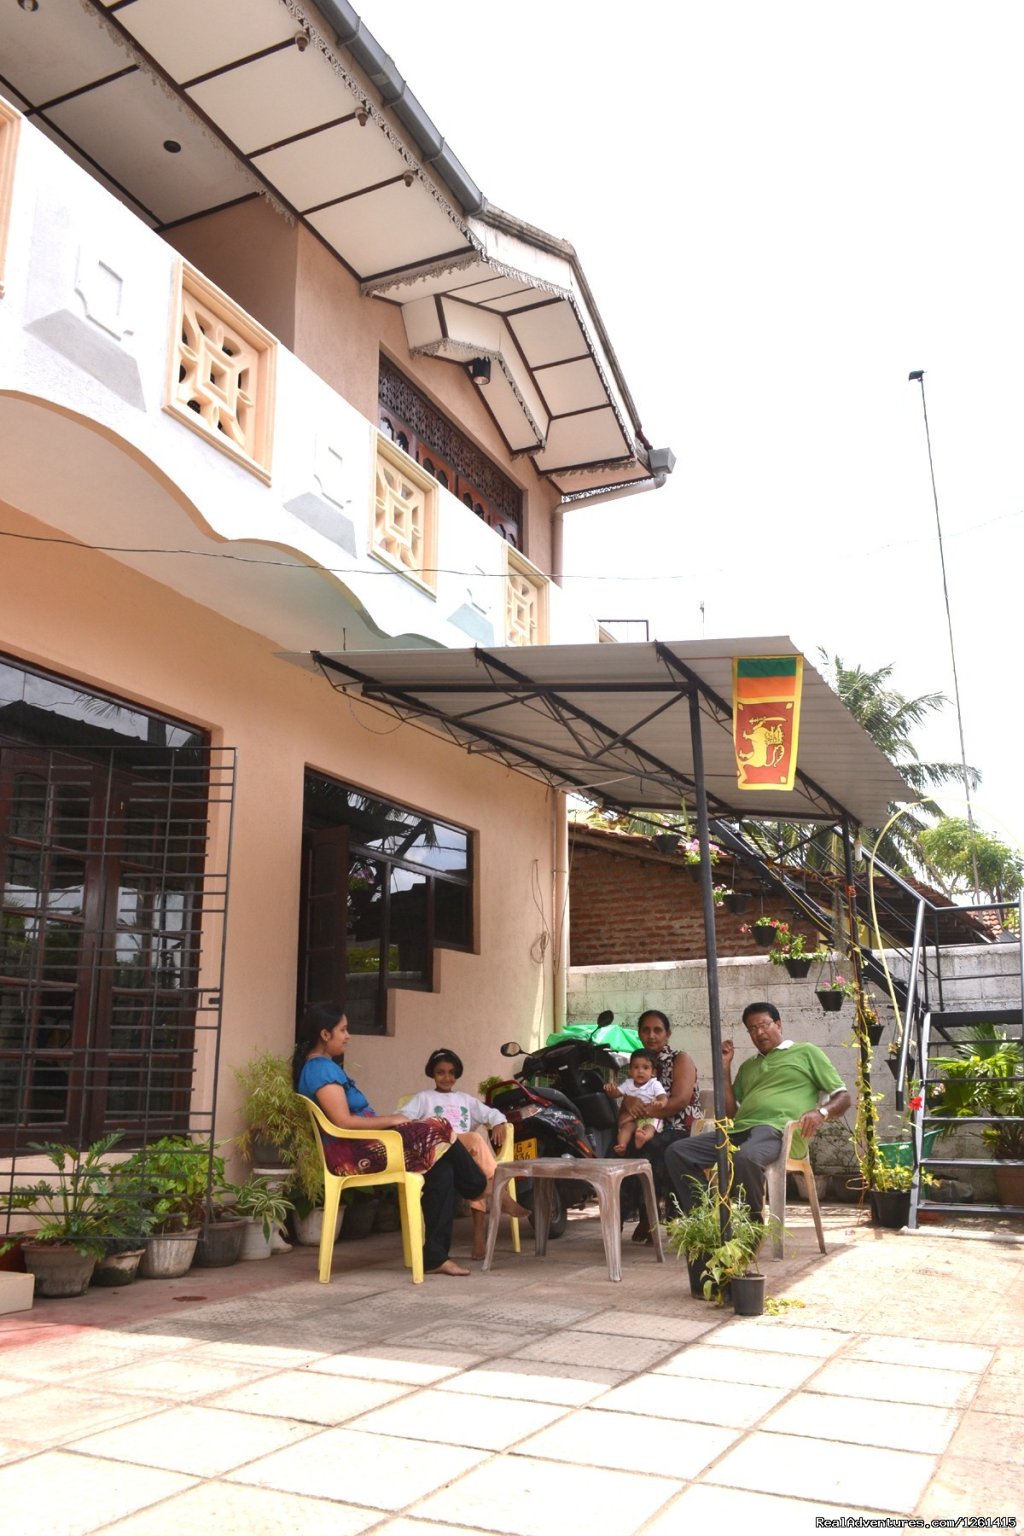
x,y
643,1085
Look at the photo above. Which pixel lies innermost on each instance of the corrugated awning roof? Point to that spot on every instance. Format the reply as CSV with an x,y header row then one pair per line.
x,y
612,722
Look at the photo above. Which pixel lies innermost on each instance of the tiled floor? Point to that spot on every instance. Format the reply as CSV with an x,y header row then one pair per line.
x,y
254,1401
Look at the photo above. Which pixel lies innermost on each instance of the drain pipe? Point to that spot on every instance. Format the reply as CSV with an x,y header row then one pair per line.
x,y
559,907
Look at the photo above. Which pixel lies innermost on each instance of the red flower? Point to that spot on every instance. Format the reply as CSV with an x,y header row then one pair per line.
x,y
916,1103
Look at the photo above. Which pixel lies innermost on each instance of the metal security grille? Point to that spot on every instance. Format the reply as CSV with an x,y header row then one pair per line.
x,y
113,896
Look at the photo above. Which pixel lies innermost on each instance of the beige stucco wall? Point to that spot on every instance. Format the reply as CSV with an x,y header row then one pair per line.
x,y
297,288
81,614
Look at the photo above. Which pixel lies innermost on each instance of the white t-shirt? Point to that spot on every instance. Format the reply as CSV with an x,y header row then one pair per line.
x,y
461,1110
645,1092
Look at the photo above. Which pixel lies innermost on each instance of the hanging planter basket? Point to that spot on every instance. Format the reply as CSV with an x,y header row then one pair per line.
x,y
763,934
738,902
666,842
798,969
829,1000
875,1033
893,1063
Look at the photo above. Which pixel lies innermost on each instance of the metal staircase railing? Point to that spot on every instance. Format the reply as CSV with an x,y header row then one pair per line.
x,y
957,1029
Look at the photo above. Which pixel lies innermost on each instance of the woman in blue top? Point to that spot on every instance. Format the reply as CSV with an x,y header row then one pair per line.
x,y
319,1076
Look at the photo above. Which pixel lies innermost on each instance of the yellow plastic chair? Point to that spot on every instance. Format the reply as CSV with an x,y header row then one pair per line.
x,y
507,1155
410,1189
504,1154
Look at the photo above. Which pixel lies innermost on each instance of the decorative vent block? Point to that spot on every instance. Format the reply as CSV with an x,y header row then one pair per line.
x,y
222,372
404,516
10,121
526,603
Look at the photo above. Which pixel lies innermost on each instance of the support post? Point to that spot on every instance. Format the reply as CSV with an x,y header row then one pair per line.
x,y
710,942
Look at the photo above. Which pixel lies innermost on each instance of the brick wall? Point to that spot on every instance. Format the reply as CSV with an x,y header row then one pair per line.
x,y
630,909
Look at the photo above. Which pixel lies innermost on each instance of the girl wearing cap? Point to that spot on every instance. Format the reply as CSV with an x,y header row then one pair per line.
x,y
463,1112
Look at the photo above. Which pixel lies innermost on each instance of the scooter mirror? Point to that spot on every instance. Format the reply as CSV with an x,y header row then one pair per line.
x,y
511,1048
605,1017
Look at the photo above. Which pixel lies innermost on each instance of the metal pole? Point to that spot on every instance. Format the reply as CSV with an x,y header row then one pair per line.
x,y
918,377
710,940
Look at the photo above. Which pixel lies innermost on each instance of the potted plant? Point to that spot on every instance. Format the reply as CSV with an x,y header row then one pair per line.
x,y
666,842
690,851
731,1268
360,1212
74,1216
220,1241
736,901
693,1234
984,1078
763,930
790,950
169,1179
276,1126
265,1208
832,994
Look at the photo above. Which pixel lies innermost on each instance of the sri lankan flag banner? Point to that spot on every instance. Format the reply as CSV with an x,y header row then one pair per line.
x,y
766,719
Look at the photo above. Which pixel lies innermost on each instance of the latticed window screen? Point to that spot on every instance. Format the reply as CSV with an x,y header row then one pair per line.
x,y
403,519
524,607
110,931
223,367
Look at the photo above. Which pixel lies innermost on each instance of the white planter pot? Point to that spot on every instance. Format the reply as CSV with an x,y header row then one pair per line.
x,y
308,1229
254,1244
169,1255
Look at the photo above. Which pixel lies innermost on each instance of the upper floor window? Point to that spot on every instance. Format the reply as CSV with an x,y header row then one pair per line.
x,y
408,419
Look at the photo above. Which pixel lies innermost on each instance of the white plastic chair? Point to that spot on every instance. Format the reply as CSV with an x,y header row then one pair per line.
x,y
775,1187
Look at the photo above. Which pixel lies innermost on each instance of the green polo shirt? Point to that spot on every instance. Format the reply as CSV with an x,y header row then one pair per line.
x,y
783,1086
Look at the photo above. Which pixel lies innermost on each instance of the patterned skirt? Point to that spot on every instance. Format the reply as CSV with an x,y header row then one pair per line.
x,y
420,1141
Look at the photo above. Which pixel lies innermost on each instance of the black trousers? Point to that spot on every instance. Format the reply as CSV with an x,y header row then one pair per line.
x,y
455,1173
654,1152
755,1149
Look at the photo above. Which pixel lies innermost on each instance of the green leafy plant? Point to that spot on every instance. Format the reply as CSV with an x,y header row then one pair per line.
x,y
793,946
983,1078
257,1201
697,1233
169,1180
272,1114
77,1206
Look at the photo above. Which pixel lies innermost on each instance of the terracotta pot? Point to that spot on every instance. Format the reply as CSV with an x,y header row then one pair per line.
x,y
169,1255
59,1268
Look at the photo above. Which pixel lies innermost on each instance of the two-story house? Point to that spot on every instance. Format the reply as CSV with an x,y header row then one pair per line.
x,y
274,377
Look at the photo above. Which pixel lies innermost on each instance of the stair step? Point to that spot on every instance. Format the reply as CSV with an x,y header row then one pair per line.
x,y
970,1162
970,1209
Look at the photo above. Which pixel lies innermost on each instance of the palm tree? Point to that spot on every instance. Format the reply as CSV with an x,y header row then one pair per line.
x,y
889,716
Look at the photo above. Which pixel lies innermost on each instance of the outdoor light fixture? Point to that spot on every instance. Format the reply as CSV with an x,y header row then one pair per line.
x,y
29,5
362,116
480,370
172,146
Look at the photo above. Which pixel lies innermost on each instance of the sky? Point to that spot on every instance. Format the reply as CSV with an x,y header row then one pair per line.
x,y
782,209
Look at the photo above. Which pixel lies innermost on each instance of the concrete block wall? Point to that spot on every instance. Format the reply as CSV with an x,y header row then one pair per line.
x,y
973,977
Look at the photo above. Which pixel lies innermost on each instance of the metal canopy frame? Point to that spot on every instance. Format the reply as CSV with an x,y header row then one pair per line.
x,y
603,721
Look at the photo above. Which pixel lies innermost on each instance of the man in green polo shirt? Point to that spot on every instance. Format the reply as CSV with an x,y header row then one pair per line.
x,y
786,1080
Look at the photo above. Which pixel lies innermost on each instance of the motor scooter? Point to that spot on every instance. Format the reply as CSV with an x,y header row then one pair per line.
x,y
558,1108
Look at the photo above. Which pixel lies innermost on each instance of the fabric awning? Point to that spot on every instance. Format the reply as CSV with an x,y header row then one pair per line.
x,y
611,722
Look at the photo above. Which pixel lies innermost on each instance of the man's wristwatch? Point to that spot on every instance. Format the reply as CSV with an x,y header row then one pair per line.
x,y
823,1111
